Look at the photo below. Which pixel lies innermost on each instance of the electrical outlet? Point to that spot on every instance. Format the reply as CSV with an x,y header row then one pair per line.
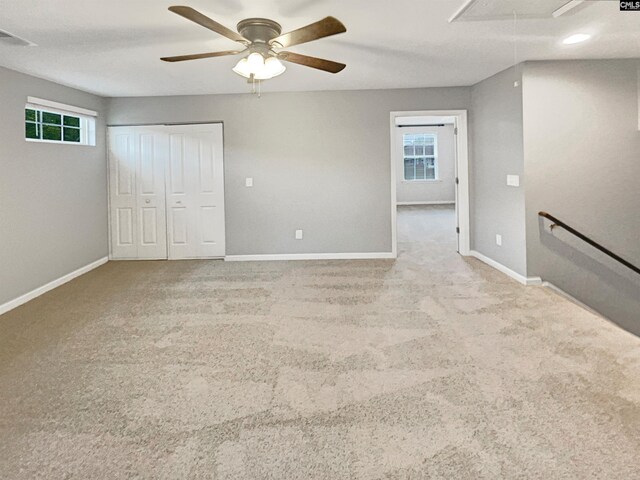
x,y
513,180
298,234
248,182
499,240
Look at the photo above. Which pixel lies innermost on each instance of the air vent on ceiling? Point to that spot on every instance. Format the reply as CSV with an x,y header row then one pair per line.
x,y
7,38
482,10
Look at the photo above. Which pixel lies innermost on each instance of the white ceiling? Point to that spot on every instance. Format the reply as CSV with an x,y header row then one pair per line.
x,y
112,48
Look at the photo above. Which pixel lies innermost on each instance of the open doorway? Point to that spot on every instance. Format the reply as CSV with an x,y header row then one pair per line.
x,y
429,178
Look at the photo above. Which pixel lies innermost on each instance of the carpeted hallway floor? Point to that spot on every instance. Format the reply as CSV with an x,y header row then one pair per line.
x,y
430,367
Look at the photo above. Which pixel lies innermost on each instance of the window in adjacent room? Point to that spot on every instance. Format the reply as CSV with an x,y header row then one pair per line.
x,y
420,157
44,123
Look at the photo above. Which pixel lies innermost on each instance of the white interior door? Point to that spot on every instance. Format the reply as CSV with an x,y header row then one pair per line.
x,y
137,158
195,191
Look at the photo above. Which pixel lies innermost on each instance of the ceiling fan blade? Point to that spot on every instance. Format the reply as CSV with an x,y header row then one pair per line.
x,y
324,28
313,62
197,56
197,17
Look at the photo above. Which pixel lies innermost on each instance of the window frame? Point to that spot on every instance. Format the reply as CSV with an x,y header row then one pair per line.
x,y
87,123
436,173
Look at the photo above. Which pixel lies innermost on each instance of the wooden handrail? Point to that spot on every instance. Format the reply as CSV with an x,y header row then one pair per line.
x,y
561,224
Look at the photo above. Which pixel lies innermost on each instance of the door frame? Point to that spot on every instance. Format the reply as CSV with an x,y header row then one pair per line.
x,y
462,173
165,124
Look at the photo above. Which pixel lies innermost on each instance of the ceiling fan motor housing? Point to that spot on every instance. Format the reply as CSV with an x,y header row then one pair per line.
x,y
259,30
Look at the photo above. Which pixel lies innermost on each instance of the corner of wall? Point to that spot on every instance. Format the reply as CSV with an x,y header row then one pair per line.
x,y
497,151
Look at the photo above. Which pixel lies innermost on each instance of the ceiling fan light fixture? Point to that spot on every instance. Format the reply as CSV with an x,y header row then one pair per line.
x,y
255,62
251,65
258,67
242,68
272,68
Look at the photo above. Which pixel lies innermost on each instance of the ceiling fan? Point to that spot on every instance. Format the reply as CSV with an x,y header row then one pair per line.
x,y
263,40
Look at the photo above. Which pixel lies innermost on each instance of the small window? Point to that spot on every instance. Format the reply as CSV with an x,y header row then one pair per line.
x,y
420,157
44,124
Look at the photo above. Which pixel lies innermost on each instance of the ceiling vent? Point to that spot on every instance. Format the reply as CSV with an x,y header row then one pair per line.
x,y
7,38
483,10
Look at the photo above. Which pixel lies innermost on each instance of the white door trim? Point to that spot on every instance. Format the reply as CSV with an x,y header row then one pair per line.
x,y
462,168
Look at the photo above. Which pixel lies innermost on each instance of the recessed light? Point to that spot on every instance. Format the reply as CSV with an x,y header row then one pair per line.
x,y
577,38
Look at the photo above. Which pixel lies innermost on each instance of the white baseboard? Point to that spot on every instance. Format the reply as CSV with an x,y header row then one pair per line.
x,y
22,299
310,256
507,271
437,202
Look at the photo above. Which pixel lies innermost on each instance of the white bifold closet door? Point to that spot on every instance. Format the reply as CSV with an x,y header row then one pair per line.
x,y
195,192
167,192
137,193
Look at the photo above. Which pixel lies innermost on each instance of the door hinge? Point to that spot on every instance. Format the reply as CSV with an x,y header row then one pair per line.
x,y
455,130
457,229
457,180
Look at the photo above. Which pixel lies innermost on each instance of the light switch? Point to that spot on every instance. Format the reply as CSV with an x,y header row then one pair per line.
x,y
298,234
499,240
248,182
513,180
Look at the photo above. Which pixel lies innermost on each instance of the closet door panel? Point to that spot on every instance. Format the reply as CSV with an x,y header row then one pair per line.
x,y
151,196
122,193
196,195
137,198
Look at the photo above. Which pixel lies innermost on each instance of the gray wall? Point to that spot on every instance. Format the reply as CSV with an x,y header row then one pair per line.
x,y
497,151
53,200
319,160
582,161
442,190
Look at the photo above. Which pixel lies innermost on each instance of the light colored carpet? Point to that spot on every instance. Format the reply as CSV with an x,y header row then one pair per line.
x,y
433,366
